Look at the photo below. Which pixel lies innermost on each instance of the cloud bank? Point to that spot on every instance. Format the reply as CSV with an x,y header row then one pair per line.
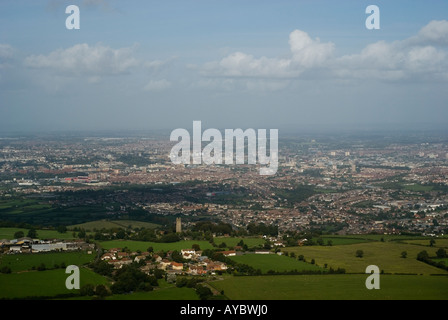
x,y
82,59
423,56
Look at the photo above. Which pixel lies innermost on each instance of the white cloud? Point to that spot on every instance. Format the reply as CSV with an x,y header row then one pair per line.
x,y
6,51
418,57
85,60
435,33
306,53
157,85
240,64
6,54
423,56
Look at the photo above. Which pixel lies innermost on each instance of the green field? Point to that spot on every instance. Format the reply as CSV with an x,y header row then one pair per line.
x,y
171,293
439,243
43,283
144,245
23,262
378,237
445,260
232,242
40,212
8,233
111,224
333,287
335,241
385,255
418,188
352,239
21,205
266,262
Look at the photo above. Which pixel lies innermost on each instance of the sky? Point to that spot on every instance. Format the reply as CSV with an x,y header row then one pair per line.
x,y
288,64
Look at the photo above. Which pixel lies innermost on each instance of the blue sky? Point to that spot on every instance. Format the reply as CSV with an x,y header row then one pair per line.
x,y
271,64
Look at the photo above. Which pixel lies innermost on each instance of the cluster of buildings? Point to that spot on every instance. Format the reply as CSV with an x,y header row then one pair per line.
x,y
29,245
196,263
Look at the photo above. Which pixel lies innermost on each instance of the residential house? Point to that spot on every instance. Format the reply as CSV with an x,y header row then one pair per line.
x,y
228,253
108,256
139,258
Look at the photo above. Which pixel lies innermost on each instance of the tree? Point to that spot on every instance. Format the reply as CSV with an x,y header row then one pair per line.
x,y
19,234
130,278
32,233
359,253
159,273
101,291
121,234
87,290
203,292
103,268
144,286
62,229
441,253
222,245
404,254
432,242
196,247
177,257
41,267
82,234
5,269
423,256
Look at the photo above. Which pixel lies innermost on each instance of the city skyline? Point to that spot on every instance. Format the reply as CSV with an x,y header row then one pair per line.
x,y
286,65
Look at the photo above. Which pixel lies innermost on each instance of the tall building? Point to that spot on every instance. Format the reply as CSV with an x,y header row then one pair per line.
x,y
178,225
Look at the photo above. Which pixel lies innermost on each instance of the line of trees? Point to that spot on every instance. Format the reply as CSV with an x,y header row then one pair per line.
x,y
440,254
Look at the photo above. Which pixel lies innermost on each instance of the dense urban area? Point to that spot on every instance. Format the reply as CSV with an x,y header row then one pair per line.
x,y
344,185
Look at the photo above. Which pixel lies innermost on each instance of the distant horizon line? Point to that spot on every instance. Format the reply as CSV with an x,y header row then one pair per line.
x,y
372,128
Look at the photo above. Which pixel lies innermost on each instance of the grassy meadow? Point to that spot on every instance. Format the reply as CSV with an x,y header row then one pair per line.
x,y
8,233
232,241
439,243
24,262
43,283
385,255
266,262
111,224
169,293
403,278
333,287
336,241
157,246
